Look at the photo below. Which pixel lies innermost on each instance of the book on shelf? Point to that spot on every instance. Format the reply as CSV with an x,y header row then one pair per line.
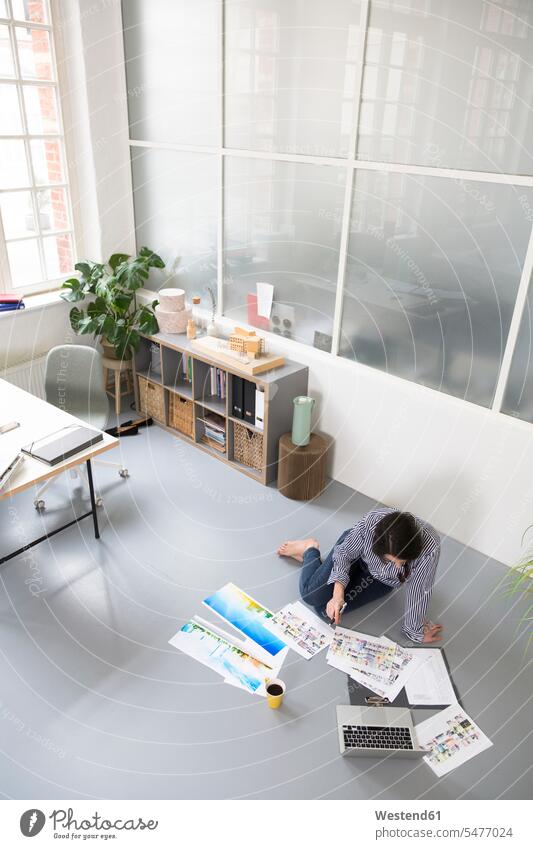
x,y
215,430
217,382
186,368
259,409
237,397
12,307
7,298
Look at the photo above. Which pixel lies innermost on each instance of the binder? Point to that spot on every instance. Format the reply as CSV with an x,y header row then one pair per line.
x,y
62,444
237,397
249,402
358,693
259,409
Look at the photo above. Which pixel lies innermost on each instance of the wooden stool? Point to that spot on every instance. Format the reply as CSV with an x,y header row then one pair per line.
x,y
302,470
120,369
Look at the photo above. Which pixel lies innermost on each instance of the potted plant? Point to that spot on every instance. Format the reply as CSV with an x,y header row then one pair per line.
x,y
519,582
113,314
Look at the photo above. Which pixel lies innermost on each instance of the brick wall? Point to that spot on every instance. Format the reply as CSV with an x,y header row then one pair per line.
x,y
49,116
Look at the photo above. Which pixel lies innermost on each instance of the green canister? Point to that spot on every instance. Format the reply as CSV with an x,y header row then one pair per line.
x,y
301,419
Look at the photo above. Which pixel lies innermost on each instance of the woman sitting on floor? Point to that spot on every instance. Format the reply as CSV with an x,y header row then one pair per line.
x,y
385,549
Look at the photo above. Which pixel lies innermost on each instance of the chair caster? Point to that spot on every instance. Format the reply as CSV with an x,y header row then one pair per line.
x,y
39,505
99,502
123,473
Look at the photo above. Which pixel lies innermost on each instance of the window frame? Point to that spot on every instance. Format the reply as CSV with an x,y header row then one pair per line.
x,y
52,283
353,163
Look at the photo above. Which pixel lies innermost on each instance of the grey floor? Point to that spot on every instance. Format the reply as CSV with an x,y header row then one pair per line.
x,y
95,703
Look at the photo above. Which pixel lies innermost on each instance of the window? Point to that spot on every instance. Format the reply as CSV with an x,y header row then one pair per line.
x,y
448,85
175,199
36,239
282,227
371,159
431,279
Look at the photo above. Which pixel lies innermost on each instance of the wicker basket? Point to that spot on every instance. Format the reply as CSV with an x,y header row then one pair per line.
x,y
247,447
181,414
151,399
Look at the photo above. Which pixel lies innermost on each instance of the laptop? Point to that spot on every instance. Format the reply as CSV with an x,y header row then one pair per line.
x,y
377,732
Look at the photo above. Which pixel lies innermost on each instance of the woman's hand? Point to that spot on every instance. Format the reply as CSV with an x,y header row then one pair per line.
x,y
334,608
432,632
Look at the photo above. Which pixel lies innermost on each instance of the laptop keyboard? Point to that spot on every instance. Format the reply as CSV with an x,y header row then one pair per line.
x,y
376,737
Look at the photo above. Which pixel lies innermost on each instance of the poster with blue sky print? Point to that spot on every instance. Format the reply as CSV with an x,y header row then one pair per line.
x,y
246,615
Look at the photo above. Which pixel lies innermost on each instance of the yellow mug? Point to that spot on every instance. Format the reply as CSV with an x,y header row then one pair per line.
x,y
275,690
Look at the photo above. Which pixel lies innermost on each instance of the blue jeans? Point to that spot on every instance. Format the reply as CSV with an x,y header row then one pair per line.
x,y
316,592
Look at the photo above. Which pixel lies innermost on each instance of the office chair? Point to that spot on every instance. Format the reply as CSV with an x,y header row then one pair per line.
x,y
74,382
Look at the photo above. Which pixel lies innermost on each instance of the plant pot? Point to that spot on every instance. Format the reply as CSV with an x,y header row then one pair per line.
x,y
107,348
301,419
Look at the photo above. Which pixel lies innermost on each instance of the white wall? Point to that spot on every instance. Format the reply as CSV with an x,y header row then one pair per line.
x,y
94,104
465,469
26,334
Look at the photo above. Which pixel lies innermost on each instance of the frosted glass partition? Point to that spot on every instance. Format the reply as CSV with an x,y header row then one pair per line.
x,y
449,84
282,226
171,51
432,276
175,198
289,75
518,397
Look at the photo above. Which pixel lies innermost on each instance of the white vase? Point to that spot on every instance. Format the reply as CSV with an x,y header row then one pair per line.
x,y
211,329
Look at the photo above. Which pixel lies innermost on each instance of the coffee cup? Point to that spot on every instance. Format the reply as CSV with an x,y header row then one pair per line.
x,y
275,690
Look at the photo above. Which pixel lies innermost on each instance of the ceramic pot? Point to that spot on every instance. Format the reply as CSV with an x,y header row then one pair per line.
x,y
301,419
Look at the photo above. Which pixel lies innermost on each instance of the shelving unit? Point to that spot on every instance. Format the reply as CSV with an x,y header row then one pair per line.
x,y
280,386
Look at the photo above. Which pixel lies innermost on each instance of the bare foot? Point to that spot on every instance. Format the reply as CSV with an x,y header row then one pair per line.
x,y
296,547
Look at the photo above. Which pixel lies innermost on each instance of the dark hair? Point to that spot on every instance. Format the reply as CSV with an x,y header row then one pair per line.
x,y
398,534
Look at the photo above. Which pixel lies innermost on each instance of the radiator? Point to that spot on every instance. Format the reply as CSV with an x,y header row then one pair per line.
x,y
29,375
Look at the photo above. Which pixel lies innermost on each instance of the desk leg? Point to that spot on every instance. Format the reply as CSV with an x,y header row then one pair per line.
x,y
93,501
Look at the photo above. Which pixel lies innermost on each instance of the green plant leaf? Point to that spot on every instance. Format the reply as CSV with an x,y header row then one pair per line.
x,y
87,325
117,259
74,290
108,326
122,301
125,341
151,258
147,321
84,268
75,317
97,307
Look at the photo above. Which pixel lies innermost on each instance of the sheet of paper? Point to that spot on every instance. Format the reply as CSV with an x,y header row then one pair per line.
x,y
248,646
223,657
301,629
363,652
246,615
452,737
430,682
265,295
403,666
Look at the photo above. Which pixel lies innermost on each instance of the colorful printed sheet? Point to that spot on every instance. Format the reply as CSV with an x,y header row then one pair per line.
x,y
354,651
301,629
453,739
405,663
223,657
246,615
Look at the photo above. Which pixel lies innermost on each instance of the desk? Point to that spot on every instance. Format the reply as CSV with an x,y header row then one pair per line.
x,y
38,419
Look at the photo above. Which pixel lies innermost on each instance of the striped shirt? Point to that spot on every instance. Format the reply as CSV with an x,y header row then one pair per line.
x,y
418,586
